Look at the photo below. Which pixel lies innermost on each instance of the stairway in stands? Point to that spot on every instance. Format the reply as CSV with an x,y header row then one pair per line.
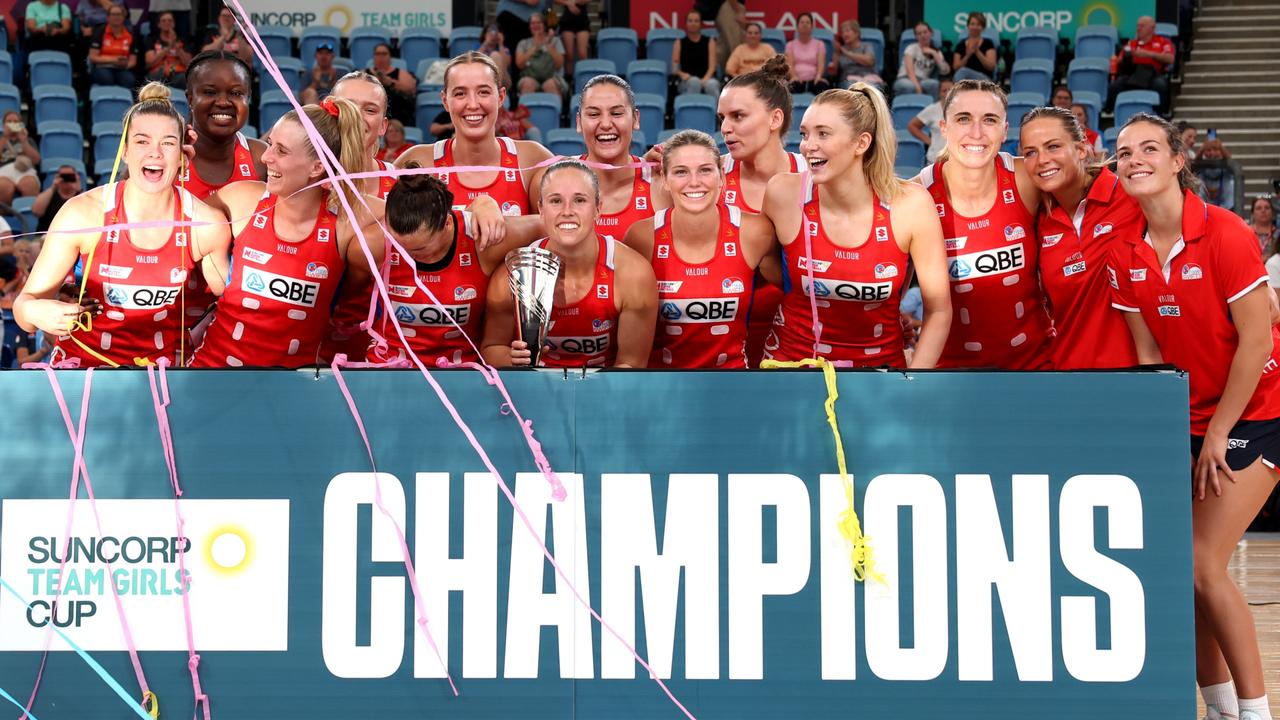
x,y
1230,84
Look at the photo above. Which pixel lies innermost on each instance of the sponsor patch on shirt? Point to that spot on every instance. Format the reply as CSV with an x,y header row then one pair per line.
x,y
1170,310
262,258
956,243
818,265
1137,274
669,286
730,249
115,272
997,261
1049,241
602,292
401,290
730,197
664,251
293,291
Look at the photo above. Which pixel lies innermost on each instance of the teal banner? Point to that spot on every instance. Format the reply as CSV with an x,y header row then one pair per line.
x,y
1010,16
1030,536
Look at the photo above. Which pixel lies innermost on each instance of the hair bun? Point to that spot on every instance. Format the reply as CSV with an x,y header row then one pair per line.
x,y
154,91
778,67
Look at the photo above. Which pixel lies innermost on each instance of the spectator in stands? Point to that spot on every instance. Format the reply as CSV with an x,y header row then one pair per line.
x,y
694,58
1091,136
1062,97
540,59
976,58
66,185
1217,179
515,19
167,56
323,75
93,15
1187,132
394,142
113,53
575,31
731,23
442,126
181,12
928,120
19,159
401,85
752,54
48,26
515,124
922,65
493,47
807,57
1262,220
1143,64
854,61
225,35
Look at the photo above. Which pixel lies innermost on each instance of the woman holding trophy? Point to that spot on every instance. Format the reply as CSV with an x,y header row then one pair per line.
x,y
603,303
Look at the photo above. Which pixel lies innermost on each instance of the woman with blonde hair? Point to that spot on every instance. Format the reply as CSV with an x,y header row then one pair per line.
x,y
849,246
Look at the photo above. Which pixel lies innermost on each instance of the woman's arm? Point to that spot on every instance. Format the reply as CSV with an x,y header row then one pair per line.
x,y
557,52
916,128
35,308
675,61
929,257
711,60
638,314
406,83
988,59
791,62
1143,341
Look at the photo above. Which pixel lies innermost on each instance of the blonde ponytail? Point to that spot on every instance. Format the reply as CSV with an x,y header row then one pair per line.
x,y
344,136
864,108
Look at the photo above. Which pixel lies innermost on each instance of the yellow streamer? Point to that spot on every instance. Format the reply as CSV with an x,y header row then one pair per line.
x,y
151,704
860,552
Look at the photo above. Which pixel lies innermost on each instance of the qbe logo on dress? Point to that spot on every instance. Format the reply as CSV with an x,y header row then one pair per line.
x,y
236,554
848,290
141,297
281,287
996,261
700,310
432,315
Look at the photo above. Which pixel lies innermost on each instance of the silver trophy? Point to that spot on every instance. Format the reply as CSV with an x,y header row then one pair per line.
x,y
533,273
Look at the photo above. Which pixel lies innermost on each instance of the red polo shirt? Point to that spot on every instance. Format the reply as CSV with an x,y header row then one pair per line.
x,y
111,45
1185,303
1157,44
1075,246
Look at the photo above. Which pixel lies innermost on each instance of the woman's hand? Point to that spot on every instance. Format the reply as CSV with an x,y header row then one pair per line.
x,y
1212,460
520,355
58,318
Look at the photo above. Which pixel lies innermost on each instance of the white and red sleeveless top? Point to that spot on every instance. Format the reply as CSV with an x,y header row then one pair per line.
x,y
639,207
585,333
242,168
139,290
457,281
702,307
732,193
857,291
276,307
999,317
507,188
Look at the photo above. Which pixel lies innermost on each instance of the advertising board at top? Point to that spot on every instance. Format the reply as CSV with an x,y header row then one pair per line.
x,y
827,14
394,16
1010,16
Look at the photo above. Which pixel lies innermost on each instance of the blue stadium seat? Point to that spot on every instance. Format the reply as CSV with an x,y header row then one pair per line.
x,y
1011,142
102,171
907,106
418,44
908,38
544,109
1089,74
414,135
271,107
429,106
775,37
1168,30
362,41
106,140
906,172
295,74
720,144
1036,42
109,103
792,141
1092,102
828,39
312,37
874,37
638,145
665,135
653,111
1032,76
54,102
564,141
1096,41
1109,137
6,67
343,65
61,139
179,99
1020,103
4,41
619,44
27,221
799,103
659,42
11,98
278,39
49,67
421,71
575,104
465,39
911,152
49,167
697,112
584,70
1131,102
648,76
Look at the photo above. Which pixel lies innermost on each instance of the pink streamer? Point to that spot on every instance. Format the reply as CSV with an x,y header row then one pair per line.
x,y
806,181
330,162
160,400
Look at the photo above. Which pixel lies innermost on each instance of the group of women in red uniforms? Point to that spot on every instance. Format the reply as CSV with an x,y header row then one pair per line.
x,y
687,259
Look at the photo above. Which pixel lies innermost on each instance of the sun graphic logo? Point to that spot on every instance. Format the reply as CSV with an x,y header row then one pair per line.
x,y
229,550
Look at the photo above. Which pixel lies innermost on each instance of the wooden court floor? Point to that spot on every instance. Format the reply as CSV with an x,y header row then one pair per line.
x,y
1256,567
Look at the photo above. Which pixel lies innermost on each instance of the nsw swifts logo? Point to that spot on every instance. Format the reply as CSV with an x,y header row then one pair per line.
x,y
732,286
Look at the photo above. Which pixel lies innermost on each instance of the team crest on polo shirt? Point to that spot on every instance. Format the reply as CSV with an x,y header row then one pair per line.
x,y
1192,271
